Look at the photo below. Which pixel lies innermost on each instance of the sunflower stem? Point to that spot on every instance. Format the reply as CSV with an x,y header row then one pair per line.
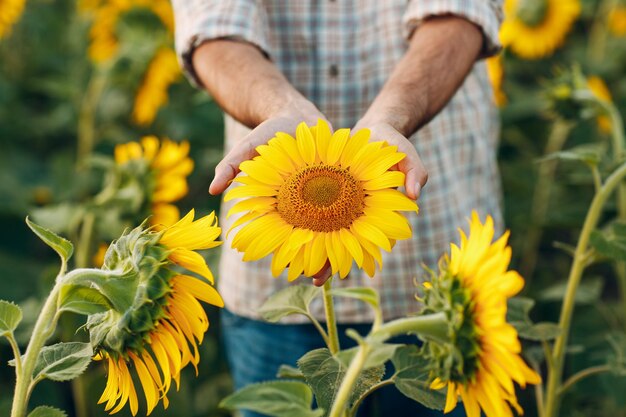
x,y
86,119
430,326
349,380
572,380
578,265
331,320
357,403
44,327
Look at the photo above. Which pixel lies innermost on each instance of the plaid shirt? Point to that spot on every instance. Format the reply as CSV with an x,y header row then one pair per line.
x,y
339,53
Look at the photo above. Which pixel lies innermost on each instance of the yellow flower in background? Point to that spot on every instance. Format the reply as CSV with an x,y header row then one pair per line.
x,y
476,280
170,165
318,197
536,28
156,332
162,71
10,13
495,70
601,91
616,21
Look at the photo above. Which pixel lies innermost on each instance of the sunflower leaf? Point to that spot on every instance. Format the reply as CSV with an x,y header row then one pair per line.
x,y
47,411
540,331
63,361
365,294
411,377
379,355
82,300
60,245
275,399
289,372
590,154
325,372
610,243
10,317
288,301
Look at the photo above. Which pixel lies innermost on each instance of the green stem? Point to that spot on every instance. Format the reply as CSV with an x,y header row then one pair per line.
x,y
86,119
578,266
596,47
16,354
541,197
430,326
319,328
84,242
349,380
44,327
357,403
572,380
331,320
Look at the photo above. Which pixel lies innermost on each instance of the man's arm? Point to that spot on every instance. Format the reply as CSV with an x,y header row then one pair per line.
x,y
253,91
441,53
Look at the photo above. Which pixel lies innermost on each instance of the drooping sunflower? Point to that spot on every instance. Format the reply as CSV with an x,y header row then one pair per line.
x,y
10,13
157,321
616,20
495,70
601,91
318,197
473,285
162,71
168,165
536,28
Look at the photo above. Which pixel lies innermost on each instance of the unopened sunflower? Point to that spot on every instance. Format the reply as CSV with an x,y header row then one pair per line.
x,y
157,321
168,166
318,197
483,360
536,28
10,13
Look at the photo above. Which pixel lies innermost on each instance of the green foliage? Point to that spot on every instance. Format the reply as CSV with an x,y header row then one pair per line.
x,y
10,317
411,377
288,301
275,398
518,316
60,245
83,300
365,294
610,242
45,411
63,361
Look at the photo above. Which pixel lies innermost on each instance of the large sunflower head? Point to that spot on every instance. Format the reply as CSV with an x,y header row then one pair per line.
x,y
162,168
318,197
156,322
536,28
483,360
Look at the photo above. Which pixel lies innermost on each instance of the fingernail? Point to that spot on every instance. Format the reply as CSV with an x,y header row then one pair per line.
x,y
418,190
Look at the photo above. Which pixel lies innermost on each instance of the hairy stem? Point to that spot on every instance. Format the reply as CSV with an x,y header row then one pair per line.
x,y
572,380
331,320
349,380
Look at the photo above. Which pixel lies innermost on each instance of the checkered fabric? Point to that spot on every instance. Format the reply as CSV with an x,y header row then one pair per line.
x,y
339,53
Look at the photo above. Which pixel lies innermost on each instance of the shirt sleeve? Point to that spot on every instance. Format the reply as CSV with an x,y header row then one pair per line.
x,y
200,20
486,14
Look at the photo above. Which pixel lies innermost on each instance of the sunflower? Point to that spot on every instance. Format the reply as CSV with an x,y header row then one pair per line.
x,y
157,322
495,70
319,197
162,71
535,28
10,12
616,20
601,92
169,165
473,286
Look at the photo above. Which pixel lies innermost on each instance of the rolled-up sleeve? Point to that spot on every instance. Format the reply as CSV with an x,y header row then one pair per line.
x,y
200,20
486,14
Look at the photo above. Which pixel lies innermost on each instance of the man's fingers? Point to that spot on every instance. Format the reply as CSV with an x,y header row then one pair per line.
x,y
416,175
224,174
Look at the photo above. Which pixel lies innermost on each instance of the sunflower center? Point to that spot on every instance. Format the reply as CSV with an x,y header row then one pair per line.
x,y
532,12
321,198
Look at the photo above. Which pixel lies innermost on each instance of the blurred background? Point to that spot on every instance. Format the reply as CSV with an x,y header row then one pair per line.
x,y
77,78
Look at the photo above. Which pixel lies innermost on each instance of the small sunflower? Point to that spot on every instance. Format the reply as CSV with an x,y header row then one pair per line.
x,y
601,92
10,13
157,322
495,70
536,28
473,286
168,166
616,20
162,71
318,197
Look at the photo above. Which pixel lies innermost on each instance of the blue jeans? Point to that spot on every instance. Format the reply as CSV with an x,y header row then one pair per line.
x,y
255,350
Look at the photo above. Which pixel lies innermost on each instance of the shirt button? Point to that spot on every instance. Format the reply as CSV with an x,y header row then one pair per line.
x,y
333,71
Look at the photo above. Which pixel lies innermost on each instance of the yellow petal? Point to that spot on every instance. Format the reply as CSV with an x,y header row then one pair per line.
x,y
305,143
388,179
337,143
323,140
390,200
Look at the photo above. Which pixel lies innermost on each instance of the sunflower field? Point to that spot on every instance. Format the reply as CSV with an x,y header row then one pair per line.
x,y
102,139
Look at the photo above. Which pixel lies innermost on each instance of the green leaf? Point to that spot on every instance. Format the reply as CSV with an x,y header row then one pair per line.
x,y
518,309
289,372
365,294
540,331
117,288
589,291
412,378
63,361
609,243
617,360
46,411
60,245
324,374
379,355
274,398
589,153
288,301
82,300
10,317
